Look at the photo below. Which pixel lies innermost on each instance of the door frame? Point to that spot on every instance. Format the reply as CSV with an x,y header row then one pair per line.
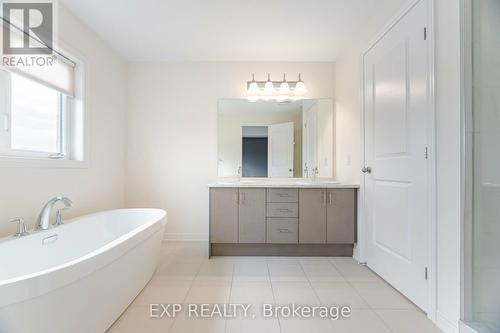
x,y
240,162
360,253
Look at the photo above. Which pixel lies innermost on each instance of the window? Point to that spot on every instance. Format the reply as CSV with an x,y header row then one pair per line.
x,y
35,119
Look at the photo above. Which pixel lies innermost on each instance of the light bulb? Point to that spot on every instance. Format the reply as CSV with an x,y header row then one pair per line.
x,y
269,87
253,88
300,87
284,88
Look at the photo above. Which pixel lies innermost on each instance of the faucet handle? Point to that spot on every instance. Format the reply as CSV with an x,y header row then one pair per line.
x,y
59,215
21,228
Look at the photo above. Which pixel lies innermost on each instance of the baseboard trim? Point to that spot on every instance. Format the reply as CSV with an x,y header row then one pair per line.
x,y
445,324
185,236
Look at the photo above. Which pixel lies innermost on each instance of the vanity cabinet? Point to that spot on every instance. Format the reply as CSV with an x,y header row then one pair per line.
x,y
282,230
327,216
237,215
282,221
282,216
252,215
341,216
312,216
224,215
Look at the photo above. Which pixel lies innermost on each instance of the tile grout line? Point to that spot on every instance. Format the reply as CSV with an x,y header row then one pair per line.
x,y
230,292
187,293
315,293
272,291
368,304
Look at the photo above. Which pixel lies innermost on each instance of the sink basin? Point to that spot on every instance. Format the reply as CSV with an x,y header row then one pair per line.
x,y
233,182
301,182
319,182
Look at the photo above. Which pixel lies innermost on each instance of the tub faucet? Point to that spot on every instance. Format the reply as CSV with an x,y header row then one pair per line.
x,y
21,227
44,217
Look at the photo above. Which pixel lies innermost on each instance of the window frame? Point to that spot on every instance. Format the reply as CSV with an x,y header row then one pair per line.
x,y
6,149
77,138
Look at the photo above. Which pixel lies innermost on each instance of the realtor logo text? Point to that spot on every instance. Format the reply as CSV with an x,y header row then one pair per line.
x,y
233,310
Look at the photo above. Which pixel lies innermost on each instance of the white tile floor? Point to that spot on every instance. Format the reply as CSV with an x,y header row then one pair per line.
x,y
185,275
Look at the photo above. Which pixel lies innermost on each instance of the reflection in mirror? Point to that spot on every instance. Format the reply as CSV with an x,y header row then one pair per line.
x,y
275,140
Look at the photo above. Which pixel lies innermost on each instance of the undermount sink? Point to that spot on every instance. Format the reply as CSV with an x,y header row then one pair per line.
x,y
301,182
319,182
232,182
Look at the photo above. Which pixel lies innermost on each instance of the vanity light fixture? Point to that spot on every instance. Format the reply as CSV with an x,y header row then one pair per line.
x,y
283,90
269,86
253,87
300,87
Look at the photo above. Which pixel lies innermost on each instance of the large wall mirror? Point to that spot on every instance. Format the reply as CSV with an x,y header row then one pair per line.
x,y
275,139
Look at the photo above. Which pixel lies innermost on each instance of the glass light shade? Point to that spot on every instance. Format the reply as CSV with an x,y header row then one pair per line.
x,y
253,88
269,87
300,88
284,88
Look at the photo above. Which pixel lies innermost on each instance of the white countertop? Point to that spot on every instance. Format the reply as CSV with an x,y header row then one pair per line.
x,y
281,183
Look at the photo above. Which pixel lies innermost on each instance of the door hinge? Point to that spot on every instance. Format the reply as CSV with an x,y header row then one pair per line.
x,y
426,154
426,273
425,33
6,122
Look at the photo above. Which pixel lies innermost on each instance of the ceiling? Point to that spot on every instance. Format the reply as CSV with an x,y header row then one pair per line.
x,y
225,30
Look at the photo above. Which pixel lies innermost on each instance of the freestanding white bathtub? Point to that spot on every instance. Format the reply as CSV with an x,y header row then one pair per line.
x,y
78,277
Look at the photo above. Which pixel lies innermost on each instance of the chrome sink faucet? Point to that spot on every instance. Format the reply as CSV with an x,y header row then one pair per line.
x,y
44,217
240,172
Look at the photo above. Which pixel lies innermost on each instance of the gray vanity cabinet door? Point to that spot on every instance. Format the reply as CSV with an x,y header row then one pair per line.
x,y
341,216
312,216
224,215
252,215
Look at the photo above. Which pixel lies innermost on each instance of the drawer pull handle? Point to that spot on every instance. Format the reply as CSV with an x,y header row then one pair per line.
x,y
284,210
283,195
284,231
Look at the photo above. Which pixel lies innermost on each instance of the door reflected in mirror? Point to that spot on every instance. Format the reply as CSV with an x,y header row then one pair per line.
x,y
275,140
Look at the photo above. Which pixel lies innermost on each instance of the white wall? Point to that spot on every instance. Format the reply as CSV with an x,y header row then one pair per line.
x,y
172,130
348,108
23,190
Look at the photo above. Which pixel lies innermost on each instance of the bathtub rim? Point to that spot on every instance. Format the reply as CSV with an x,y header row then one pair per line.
x,y
100,250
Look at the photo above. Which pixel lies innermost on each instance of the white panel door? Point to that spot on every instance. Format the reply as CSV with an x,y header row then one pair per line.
x,y
280,150
396,110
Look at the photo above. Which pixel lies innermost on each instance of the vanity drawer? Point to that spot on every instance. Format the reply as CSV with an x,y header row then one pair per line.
x,y
282,209
282,231
282,195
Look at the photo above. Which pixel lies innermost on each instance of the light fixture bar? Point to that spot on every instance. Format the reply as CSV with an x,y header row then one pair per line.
x,y
282,90
276,84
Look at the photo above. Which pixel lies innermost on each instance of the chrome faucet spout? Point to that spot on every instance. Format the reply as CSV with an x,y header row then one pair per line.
x,y
43,220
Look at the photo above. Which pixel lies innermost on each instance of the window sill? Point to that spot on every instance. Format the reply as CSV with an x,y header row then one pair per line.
x,y
32,162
